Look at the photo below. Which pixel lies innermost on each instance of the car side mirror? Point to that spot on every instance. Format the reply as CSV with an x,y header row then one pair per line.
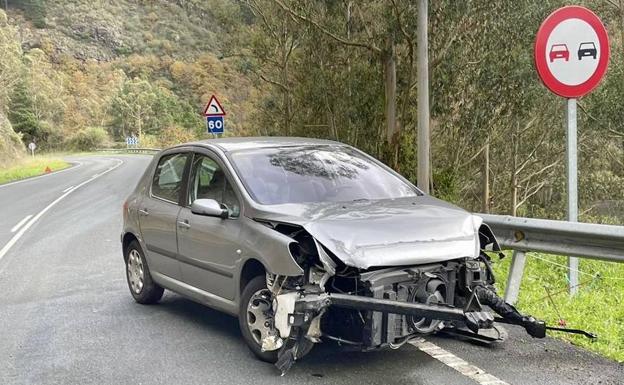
x,y
209,208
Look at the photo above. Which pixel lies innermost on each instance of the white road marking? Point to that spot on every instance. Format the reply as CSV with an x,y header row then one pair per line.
x,y
457,363
21,232
67,189
77,164
20,223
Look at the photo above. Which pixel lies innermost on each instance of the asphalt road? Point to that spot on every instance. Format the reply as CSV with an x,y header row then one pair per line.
x,y
66,316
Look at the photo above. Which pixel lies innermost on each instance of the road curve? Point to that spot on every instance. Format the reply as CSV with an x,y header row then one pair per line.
x,y
67,318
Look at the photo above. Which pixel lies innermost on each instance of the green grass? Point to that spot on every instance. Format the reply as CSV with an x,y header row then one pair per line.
x,y
29,167
598,307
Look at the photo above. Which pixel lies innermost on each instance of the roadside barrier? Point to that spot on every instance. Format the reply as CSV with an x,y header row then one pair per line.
x,y
582,240
129,150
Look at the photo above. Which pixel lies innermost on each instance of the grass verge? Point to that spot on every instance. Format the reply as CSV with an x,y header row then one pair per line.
x,y
598,307
29,167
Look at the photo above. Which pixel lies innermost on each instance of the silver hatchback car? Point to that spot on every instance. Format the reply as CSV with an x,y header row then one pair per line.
x,y
308,240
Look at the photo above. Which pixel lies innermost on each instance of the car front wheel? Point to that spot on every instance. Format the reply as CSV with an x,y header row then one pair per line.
x,y
256,317
140,283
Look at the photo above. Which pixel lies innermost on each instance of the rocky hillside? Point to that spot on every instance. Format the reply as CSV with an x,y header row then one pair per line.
x,y
107,30
143,67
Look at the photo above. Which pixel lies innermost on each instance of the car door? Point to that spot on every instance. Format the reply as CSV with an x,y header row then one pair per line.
x,y
158,213
209,249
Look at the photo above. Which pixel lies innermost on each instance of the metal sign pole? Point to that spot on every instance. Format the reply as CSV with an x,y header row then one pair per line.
x,y
572,171
423,97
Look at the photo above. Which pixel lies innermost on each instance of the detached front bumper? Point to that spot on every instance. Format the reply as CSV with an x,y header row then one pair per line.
x,y
307,309
308,306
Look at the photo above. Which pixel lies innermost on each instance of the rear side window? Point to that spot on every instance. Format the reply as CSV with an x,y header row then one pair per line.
x,y
167,182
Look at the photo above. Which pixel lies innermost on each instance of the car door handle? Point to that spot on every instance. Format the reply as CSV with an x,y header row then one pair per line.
x,y
184,225
143,212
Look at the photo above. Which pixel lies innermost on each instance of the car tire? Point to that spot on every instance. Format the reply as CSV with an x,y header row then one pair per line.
x,y
258,284
254,286
143,289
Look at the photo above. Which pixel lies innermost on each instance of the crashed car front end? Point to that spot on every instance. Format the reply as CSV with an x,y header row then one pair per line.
x,y
356,254
381,306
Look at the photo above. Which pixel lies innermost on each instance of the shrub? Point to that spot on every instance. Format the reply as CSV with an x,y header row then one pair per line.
x,y
11,146
88,139
49,138
175,135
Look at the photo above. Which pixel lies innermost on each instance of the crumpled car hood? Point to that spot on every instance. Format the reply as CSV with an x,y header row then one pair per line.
x,y
397,232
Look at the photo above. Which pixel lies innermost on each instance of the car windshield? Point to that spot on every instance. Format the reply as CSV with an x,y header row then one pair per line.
x,y
316,174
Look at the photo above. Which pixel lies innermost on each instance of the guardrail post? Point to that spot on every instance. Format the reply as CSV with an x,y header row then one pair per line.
x,y
518,260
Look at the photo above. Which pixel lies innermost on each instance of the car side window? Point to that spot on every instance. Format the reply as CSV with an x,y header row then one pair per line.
x,y
208,181
167,182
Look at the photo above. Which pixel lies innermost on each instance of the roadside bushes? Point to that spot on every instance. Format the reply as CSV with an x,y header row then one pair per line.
x,y
88,139
175,135
11,146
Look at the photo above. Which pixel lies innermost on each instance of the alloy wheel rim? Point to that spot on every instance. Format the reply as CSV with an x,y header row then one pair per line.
x,y
260,315
135,271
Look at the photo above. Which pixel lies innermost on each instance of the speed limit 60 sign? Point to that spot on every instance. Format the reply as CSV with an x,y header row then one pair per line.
x,y
571,51
214,124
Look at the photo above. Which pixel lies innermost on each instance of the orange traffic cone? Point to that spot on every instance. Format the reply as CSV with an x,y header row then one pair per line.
x,y
48,170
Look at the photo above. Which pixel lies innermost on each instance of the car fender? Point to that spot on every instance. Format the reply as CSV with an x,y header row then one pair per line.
x,y
269,247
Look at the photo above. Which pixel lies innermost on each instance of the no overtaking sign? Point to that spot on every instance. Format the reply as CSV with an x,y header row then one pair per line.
x,y
571,51
571,57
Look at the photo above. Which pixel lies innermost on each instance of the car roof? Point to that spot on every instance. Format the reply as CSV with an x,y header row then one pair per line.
x,y
244,143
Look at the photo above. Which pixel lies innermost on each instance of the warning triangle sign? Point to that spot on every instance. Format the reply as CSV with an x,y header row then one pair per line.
x,y
213,108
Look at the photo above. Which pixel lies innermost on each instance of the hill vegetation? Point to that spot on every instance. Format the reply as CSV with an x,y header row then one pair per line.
x,y
124,67
78,74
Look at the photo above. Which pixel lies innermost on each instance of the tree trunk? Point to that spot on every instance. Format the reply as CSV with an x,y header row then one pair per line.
x,y
390,88
486,178
286,100
514,193
621,9
140,122
513,182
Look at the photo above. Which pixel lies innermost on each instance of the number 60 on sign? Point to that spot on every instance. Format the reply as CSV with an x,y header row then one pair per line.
x,y
214,124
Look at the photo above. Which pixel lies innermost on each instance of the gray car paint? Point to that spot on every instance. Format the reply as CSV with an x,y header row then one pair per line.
x,y
332,224
394,232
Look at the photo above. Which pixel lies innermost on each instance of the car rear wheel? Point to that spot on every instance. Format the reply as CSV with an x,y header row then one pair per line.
x,y
140,283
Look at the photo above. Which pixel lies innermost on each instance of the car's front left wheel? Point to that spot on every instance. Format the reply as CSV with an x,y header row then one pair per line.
x,y
143,289
255,317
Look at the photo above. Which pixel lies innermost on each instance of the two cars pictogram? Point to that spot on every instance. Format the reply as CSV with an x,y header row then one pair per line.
x,y
560,51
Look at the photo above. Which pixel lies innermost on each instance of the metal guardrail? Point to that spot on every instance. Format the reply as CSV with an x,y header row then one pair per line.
x,y
584,240
130,150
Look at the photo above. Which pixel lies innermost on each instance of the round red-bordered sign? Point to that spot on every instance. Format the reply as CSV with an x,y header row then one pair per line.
x,y
571,51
